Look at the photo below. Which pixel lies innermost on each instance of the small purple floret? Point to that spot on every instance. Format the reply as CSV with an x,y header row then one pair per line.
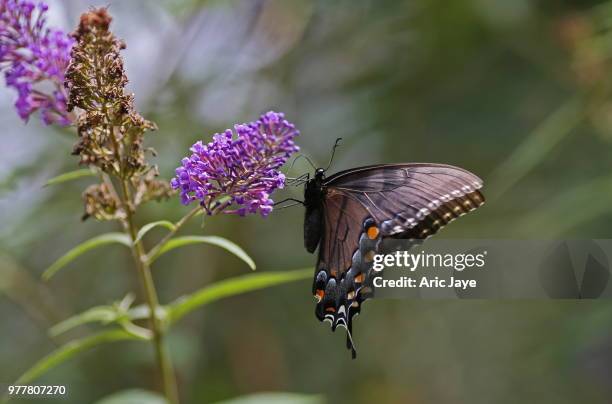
x,y
34,59
238,170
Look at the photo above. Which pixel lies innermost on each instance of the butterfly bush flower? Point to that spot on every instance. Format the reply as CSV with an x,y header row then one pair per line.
x,y
237,172
111,131
34,59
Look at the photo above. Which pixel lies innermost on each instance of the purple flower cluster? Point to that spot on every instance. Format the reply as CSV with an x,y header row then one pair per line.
x,y
34,59
236,173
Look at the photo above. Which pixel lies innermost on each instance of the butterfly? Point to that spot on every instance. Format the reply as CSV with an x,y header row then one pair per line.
x,y
349,213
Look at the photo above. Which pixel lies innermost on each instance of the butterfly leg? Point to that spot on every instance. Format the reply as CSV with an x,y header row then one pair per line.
x,y
297,181
296,202
288,200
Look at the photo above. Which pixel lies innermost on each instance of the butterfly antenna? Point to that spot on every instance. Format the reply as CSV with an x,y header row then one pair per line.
x,y
333,153
306,158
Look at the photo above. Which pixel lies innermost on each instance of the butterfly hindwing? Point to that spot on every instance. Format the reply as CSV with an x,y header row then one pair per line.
x,y
343,272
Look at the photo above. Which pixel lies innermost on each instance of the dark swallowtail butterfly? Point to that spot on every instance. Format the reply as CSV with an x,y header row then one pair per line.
x,y
350,212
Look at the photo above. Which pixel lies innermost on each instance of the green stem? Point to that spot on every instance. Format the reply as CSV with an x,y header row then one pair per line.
x,y
177,226
163,358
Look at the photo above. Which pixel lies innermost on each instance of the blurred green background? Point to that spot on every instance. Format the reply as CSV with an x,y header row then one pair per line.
x,y
515,91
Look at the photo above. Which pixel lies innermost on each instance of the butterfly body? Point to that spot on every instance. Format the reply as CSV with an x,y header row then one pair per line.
x,y
350,213
314,194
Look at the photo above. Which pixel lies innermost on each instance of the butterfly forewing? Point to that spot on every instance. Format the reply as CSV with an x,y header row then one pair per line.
x,y
407,196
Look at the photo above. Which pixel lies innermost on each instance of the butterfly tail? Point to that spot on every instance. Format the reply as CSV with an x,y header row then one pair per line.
x,y
349,338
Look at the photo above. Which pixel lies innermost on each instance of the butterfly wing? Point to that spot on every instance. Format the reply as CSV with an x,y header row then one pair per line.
x,y
340,275
411,200
363,206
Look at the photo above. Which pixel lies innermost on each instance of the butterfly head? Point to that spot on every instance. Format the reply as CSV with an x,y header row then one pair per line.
x,y
314,190
319,174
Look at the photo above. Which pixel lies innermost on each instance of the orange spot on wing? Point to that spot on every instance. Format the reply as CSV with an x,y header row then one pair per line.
x,y
372,232
319,294
359,278
330,309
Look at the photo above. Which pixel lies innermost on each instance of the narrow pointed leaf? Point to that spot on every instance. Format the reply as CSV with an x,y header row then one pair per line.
x,y
69,176
150,226
82,248
231,287
100,314
214,240
69,350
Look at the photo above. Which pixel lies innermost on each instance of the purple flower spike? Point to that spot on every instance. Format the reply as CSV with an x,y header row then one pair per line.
x,y
31,57
237,172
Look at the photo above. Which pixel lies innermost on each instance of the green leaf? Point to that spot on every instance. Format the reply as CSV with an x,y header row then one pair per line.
x,y
69,350
231,287
82,248
214,240
99,314
145,229
133,396
69,176
276,398
119,313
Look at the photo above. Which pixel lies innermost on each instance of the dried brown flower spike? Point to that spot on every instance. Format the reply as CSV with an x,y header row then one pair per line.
x,y
100,203
111,131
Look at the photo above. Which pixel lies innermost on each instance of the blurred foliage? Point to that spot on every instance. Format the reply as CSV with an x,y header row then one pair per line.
x,y
134,396
516,91
275,398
